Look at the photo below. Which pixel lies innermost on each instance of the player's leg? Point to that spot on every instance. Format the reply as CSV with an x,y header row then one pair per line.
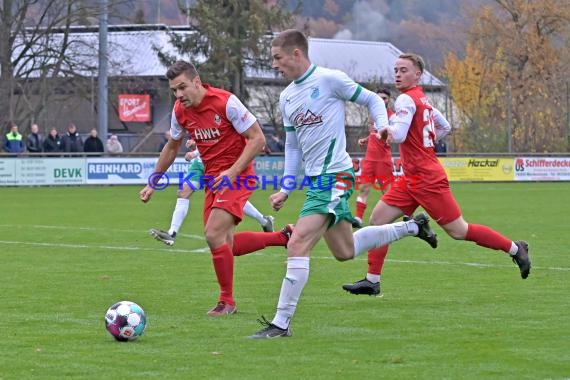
x,y
248,242
185,191
266,221
442,206
222,212
364,185
308,230
361,204
315,218
218,233
370,285
178,216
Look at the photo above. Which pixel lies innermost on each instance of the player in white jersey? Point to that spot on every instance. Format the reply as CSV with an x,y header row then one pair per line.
x,y
313,109
194,174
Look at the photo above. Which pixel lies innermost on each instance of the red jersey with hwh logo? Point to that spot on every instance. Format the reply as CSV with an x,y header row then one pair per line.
x,y
216,125
417,151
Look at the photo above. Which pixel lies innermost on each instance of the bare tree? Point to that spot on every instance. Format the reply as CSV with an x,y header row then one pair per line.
x,y
39,57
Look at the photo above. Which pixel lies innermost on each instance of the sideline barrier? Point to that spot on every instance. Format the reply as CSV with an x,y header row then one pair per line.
x,y
38,171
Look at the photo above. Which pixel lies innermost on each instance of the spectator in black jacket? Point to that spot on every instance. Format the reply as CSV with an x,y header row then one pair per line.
x,y
93,144
71,141
52,143
34,141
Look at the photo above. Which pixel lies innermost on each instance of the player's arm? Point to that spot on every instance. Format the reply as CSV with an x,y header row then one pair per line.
x,y
442,126
375,106
404,110
255,143
172,147
166,158
347,89
247,125
292,158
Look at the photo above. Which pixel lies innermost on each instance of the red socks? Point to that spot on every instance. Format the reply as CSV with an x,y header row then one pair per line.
x,y
223,260
248,242
376,259
360,208
487,237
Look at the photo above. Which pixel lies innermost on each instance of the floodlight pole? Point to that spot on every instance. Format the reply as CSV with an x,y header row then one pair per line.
x,y
102,82
509,117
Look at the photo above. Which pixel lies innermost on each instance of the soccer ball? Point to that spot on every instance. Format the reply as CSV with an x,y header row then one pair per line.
x,y
125,320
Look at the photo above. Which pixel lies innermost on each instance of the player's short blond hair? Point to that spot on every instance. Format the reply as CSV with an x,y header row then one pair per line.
x,y
416,59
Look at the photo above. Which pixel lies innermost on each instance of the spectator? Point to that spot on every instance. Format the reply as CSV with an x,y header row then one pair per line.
x,y
34,140
13,140
93,143
441,148
71,141
114,146
275,144
164,140
52,143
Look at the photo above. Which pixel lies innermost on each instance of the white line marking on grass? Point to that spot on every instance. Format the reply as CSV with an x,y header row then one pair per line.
x,y
480,265
449,263
206,250
191,236
109,247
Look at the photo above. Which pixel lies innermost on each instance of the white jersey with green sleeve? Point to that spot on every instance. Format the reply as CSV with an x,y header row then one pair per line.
x,y
313,107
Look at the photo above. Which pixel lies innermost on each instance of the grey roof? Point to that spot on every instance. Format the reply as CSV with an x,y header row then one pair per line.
x,y
363,61
132,53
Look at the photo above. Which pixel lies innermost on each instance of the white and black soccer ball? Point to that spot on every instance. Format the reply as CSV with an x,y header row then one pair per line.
x,y
125,321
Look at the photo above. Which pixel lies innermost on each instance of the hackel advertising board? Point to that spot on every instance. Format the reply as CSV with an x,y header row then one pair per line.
x,y
478,169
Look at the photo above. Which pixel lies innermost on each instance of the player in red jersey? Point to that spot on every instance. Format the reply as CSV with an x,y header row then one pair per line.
x,y
377,164
228,137
413,128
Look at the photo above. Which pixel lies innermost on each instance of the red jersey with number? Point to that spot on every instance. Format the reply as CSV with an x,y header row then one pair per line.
x,y
216,125
417,151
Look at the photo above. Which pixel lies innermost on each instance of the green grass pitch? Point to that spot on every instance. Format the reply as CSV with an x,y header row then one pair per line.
x,y
457,312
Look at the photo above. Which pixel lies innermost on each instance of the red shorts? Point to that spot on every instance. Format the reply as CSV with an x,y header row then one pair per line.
x,y
232,199
377,171
437,200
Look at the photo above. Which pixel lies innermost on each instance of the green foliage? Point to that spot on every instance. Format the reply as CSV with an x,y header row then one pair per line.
x,y
514,47
458,312
230,36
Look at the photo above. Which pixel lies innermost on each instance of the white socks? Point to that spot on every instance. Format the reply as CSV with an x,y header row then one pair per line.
x,y
179,214
373,278
254,213
291,288
514,249
376,236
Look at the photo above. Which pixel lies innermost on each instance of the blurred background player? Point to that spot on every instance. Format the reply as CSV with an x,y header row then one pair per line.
x,y
195,173
377,164
416,126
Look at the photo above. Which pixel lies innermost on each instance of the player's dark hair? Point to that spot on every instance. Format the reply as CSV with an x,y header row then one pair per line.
x,y
384,90
181,67
290,40
416,59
